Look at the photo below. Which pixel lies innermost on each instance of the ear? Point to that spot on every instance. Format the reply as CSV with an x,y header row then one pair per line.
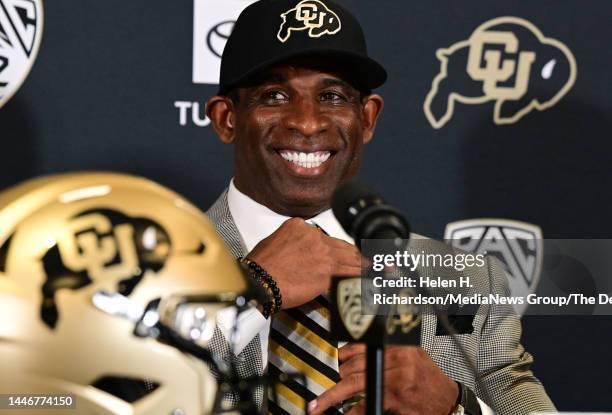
x,y
372,107
220,111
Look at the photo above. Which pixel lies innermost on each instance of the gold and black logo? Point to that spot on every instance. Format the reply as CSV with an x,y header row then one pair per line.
x,y
311,15
99,245
506,60
350,300
403,318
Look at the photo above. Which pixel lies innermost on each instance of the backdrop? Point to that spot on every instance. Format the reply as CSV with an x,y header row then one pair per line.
x,y
493,110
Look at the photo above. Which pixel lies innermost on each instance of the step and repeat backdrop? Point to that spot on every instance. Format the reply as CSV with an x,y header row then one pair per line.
x,y
497,123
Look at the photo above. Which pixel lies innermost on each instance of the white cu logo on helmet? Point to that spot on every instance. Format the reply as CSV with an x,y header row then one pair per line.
x,y
21,25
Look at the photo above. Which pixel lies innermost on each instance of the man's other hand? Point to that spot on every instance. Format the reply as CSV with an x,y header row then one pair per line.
x,y
414,384
302,260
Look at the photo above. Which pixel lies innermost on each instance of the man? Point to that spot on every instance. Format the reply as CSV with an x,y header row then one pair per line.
x,y
295,101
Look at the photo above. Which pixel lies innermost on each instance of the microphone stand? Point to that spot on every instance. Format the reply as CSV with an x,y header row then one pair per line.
x,y
388,242
375,367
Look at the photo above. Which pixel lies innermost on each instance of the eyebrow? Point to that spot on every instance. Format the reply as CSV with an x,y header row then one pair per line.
x,y
336,82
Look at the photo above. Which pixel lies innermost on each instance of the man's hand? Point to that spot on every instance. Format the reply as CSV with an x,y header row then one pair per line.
x,y
414,384
302,260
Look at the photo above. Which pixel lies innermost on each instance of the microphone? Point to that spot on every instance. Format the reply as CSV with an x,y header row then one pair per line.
x,y
364,214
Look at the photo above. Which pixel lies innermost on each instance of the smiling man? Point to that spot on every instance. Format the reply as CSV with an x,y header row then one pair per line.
x,y
295,101
301,126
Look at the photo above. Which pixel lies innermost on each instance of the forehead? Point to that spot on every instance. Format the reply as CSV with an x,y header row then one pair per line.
x,y
315,70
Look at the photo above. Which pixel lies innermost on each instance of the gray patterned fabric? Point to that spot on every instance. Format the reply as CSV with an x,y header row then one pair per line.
x,y
248,363
494,345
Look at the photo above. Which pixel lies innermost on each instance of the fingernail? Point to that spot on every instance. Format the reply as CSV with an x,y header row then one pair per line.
x,y
312,405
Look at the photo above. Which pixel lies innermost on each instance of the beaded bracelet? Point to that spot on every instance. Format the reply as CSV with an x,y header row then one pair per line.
x,y
275,300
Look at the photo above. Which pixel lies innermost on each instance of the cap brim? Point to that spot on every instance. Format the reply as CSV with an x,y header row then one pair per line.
x,y
365,72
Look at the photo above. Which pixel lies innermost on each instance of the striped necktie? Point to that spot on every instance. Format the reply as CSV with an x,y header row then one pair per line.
x,y
300,343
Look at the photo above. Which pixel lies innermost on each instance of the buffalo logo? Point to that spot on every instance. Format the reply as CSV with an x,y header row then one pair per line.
x,y
21,24
350,308
311,15
102,245
506,60
517,245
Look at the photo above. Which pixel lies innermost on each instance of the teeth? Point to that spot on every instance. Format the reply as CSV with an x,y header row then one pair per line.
x,y
306,160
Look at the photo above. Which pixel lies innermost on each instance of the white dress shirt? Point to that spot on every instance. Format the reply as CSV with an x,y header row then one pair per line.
x,y
256,222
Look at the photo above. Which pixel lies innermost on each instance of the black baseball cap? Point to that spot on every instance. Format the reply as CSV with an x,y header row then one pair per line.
x,y
269,32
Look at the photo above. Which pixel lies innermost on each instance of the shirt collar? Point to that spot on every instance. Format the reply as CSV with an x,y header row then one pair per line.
x,y
256,222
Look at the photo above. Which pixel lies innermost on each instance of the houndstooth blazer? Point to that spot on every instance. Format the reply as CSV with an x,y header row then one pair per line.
x,y
492,340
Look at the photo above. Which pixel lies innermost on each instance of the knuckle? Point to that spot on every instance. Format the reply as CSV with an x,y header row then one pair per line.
x,y
345,352
294,222
355,380
410,352
345,371
326,251
356,363
355,348
395,358
358,259
400,355
328,267
421,352
407,374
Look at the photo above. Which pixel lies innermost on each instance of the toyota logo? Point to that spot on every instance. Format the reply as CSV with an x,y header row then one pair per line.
x,y
218,35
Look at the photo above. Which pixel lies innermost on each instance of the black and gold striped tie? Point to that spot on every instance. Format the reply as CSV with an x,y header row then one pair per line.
x,y
300,343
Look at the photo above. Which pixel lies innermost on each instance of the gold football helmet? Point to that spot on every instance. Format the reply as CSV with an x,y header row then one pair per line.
x,y
109,285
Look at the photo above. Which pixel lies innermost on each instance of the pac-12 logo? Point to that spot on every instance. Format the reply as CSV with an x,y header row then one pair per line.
x,y
21,25
506,60
517,245
349,300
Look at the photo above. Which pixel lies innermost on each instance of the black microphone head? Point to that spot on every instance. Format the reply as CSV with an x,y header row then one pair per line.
x,y
365,215
345,197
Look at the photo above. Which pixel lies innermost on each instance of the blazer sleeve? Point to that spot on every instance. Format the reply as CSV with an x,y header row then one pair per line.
x,y
503,363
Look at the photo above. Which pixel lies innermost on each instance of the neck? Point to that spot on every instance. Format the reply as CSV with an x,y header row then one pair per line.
x,y
303,210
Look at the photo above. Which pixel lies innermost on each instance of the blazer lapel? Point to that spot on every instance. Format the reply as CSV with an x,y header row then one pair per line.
x,y
221,217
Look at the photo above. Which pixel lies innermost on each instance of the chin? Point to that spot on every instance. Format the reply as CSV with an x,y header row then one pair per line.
x,y
306,203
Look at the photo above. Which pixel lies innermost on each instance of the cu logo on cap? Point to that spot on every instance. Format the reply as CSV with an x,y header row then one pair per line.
x,y
311,15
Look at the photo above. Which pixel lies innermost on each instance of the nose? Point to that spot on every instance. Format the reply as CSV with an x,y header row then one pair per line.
x,y
305,117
